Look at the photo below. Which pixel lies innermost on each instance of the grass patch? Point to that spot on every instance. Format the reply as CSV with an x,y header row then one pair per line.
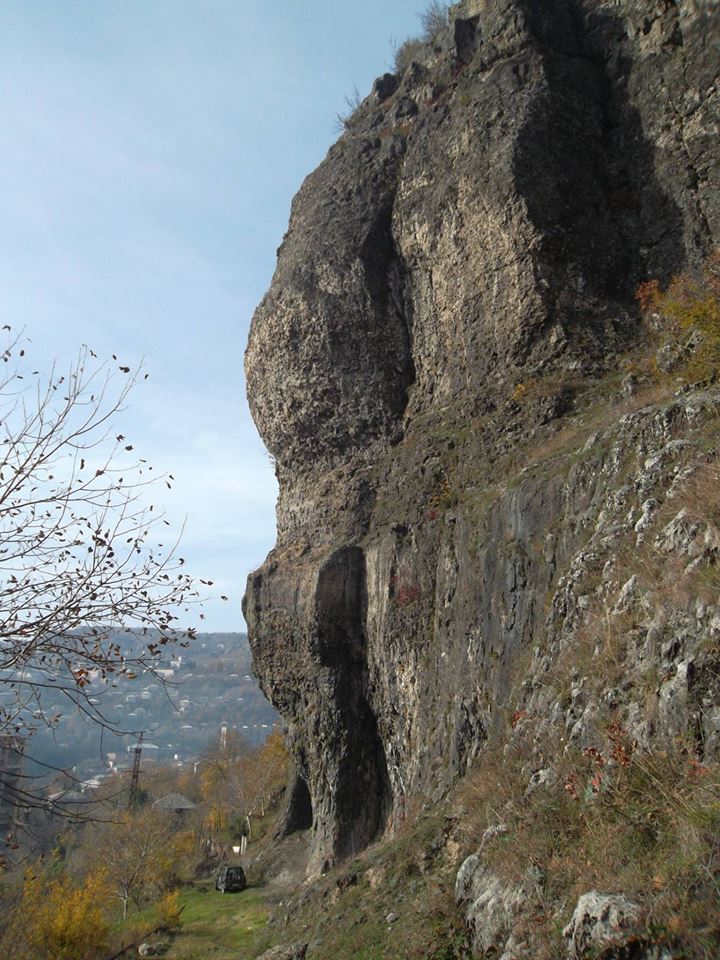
x,y
217,926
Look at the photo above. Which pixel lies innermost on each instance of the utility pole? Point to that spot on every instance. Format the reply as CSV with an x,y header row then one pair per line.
x,y
135,781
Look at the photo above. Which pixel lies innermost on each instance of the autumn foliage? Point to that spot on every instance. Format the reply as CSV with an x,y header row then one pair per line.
x,y
690,304
60,920
143,855
237,782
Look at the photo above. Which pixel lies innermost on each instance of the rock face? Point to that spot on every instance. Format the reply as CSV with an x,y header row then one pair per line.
x,y
600,920
463,259
295,951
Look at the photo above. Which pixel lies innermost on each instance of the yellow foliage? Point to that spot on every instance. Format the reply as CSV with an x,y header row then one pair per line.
x,y
216,818
236,782
211,778
691,303
144,854
274,755
61,921
519,392
168,911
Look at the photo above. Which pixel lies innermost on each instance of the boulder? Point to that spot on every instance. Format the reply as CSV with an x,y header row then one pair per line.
x,y
295,951
600,921
491,906
152,949
385,86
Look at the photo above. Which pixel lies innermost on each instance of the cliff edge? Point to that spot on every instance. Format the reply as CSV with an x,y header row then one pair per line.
x,y
450,305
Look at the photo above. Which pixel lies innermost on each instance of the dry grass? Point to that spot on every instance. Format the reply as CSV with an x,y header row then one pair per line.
x,y
643,825
346,118
571,438
616,818
699,497
433,19
410,875
597,653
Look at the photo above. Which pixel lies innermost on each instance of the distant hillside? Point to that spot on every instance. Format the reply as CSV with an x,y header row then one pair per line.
x,y
206,685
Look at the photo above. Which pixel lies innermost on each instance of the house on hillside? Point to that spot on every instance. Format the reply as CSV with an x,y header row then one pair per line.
x,y
175,803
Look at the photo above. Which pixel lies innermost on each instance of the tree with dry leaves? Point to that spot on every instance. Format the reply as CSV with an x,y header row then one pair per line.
x,y
58,918
91,590
237,781
143,853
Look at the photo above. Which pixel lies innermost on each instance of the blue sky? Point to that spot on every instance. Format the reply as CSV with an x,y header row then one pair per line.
x,y
150,151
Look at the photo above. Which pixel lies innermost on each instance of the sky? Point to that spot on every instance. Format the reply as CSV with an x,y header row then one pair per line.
x,y
150,152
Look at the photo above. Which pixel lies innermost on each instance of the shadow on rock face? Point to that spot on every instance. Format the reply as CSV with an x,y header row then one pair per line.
x,y
588,172
318,664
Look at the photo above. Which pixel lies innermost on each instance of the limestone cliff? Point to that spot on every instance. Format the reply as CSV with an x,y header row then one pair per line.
x,y
457,275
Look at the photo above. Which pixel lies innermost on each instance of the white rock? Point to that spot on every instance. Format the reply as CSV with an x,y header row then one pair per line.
x,y
600,920
491,905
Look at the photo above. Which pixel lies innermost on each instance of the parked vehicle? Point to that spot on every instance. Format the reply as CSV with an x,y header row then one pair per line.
x,y
230,880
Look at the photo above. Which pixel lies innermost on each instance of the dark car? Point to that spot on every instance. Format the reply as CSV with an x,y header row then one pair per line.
x,y
230,880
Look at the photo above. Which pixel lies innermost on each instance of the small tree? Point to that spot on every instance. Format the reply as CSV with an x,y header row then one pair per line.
x,y
237,780
90,591
434,18
143,855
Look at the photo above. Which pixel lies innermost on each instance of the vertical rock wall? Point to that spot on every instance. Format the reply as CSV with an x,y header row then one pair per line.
x,y
482,223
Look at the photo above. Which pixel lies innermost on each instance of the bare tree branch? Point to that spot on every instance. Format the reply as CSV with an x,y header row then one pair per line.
x,y
91,592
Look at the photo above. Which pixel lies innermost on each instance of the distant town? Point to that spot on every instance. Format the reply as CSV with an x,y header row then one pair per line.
x,y
180,707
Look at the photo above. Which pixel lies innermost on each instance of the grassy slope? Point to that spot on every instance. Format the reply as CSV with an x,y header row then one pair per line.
x,y
345,913
219,926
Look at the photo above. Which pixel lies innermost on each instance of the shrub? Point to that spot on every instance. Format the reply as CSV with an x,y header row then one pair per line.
x,y
58,920
433,19
690,303
519,392
168,910
344,120
405,53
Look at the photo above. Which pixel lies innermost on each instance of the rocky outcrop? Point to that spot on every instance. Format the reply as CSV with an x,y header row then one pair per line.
x,y
600,921
295,951
491,907
455,273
